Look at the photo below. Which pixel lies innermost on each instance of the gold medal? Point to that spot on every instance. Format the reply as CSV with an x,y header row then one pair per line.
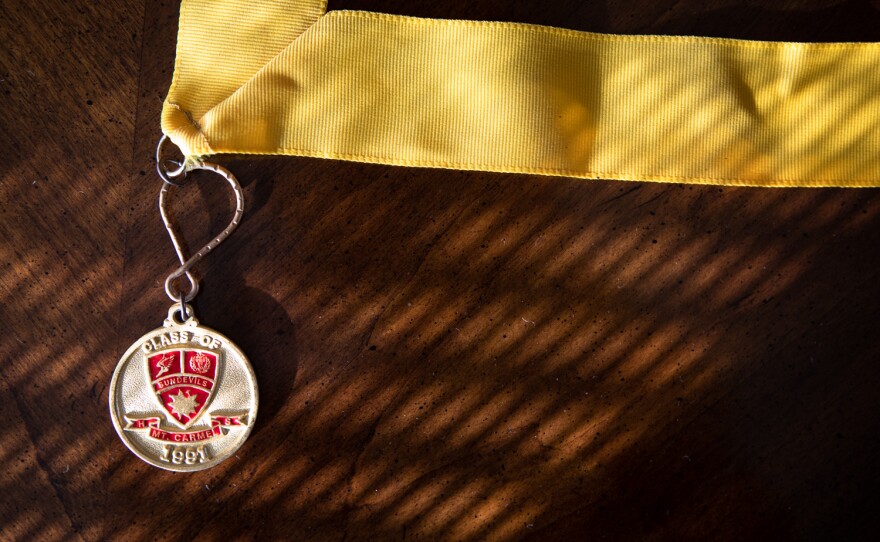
x,y
183,397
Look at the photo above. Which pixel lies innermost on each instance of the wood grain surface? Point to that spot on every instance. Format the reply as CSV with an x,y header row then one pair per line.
x,y
442,355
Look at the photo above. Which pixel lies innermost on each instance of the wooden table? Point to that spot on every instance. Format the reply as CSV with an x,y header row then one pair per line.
x,y
441,354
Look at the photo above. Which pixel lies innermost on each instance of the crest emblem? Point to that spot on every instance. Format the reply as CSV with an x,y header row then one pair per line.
x,y
183,381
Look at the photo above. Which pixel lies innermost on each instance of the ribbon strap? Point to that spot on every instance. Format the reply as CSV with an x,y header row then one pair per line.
x,y
287,77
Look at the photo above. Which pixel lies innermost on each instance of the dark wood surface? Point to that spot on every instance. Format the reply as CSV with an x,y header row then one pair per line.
x,y
441,354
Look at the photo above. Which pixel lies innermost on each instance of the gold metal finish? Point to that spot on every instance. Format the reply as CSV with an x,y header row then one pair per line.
x,y
219,426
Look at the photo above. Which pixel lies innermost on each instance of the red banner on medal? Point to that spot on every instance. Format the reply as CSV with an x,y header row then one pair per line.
x,y
152,425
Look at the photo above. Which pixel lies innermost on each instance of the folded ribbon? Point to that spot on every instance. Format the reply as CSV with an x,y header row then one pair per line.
x,y
288,77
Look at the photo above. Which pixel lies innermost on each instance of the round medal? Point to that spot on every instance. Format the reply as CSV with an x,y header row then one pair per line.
x,y
183,397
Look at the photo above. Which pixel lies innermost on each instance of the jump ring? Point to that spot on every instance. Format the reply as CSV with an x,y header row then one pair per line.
x,y
183,314
175,176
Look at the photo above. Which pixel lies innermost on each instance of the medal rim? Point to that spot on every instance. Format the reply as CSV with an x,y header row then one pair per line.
x,y
252,417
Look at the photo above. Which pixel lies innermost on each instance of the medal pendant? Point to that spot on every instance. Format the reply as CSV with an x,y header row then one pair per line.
x,y
183,397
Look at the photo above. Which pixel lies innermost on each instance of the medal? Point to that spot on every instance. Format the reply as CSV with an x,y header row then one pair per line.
x,y
184,397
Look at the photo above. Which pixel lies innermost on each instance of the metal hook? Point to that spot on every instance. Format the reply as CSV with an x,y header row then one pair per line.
x,y
187,263
174,177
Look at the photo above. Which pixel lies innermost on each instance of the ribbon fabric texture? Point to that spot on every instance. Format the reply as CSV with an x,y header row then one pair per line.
x,y
288,77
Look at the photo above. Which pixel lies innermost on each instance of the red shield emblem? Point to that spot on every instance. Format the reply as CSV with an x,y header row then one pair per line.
x,y
184,382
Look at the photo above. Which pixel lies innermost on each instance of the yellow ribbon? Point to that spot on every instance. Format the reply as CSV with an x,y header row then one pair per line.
x,y
288,77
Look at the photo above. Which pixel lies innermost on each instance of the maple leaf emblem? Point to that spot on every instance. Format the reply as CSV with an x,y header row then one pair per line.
x,y
183,405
